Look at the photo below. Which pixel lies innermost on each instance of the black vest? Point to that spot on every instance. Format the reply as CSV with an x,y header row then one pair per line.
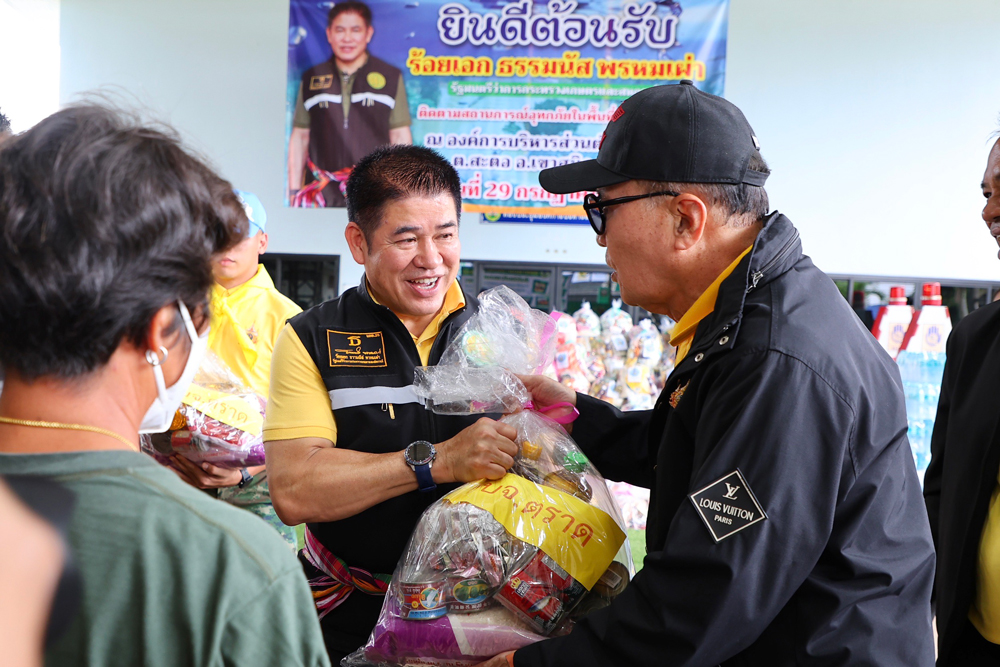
x,y
336,142
366,358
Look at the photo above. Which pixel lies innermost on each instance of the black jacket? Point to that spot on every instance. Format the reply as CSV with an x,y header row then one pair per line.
x,y
784,385
965,458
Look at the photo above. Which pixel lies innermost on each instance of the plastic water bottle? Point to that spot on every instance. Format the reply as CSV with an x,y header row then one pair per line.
x,y
921,373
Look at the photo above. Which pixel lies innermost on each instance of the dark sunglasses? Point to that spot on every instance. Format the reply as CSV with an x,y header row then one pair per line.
x,y
595,208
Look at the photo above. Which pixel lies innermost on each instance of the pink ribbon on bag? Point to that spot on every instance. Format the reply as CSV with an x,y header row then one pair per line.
x,y
570,416
567,418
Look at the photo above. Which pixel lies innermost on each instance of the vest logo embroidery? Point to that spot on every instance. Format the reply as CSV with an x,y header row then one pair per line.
x,y
675,397
376,80
252,334
321,82
356,350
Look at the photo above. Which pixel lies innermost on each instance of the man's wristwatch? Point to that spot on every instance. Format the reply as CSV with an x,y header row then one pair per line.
x,y
420,457
245,478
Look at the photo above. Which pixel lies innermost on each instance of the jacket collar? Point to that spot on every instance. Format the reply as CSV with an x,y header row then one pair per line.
x,y
775,251
365,295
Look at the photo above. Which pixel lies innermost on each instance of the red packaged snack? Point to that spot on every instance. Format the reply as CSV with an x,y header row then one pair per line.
x,y
541,593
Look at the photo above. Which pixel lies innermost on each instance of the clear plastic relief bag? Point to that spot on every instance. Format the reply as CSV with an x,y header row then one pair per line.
x,y
497,565
476,371
220,421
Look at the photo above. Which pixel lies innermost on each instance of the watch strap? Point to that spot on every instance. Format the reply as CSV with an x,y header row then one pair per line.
x,y
245,478
425,480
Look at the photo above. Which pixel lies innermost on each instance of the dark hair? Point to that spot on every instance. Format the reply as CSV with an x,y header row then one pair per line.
x,y
103,221
355,6
394,172
744,204
4,124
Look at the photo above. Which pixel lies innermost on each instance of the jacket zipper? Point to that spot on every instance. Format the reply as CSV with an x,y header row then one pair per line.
x,y
427,415
343,83
757,275
394,322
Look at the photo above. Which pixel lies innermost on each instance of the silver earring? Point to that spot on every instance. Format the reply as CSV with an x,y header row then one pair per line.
x,y
153,360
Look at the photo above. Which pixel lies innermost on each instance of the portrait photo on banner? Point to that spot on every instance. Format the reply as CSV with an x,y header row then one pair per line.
x,y
503,89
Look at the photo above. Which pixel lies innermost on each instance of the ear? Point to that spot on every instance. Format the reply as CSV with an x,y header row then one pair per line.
x,y
263,241
156,334
692,219
369,34
356,242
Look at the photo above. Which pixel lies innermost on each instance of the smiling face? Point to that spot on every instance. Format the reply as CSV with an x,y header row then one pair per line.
x,y
413,257
991,190
349,36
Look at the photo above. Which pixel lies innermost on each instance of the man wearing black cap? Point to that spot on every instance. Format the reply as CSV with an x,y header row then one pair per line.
x,y
786,524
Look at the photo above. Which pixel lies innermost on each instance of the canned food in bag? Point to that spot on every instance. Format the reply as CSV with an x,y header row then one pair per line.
x,y
423,600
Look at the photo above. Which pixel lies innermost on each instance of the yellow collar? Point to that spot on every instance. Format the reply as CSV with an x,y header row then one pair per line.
x,y
454,299
683,332
223,317
260,280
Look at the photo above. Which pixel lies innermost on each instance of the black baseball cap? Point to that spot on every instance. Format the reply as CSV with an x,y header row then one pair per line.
x,y
666,133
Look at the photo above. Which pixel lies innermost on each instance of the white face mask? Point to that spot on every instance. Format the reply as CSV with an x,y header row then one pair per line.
x,y
168,399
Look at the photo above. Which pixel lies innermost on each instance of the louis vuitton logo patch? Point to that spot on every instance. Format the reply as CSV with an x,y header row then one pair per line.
x,y
727,506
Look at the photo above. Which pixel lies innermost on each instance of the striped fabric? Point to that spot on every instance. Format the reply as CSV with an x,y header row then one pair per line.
x,y
311,195
322,97
338,579
369,99
352,397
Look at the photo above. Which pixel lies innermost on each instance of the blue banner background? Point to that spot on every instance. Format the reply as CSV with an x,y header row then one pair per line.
x,y
701,29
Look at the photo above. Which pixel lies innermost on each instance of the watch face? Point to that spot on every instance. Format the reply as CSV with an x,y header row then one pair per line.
x,y
420,452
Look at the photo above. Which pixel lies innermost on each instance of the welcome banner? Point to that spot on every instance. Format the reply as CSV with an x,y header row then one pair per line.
x,y
506,89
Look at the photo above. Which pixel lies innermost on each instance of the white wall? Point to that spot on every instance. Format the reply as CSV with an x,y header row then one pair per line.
x,y
29,60
875,117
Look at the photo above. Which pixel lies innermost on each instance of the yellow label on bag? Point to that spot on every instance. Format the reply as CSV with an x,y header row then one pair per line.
x,y
228,409
581,538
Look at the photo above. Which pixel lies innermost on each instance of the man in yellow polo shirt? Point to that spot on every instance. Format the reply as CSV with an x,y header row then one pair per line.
x,y
786,526
351,451
247,315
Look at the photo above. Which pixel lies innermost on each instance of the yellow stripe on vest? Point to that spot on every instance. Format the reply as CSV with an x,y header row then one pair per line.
x,y
581,538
